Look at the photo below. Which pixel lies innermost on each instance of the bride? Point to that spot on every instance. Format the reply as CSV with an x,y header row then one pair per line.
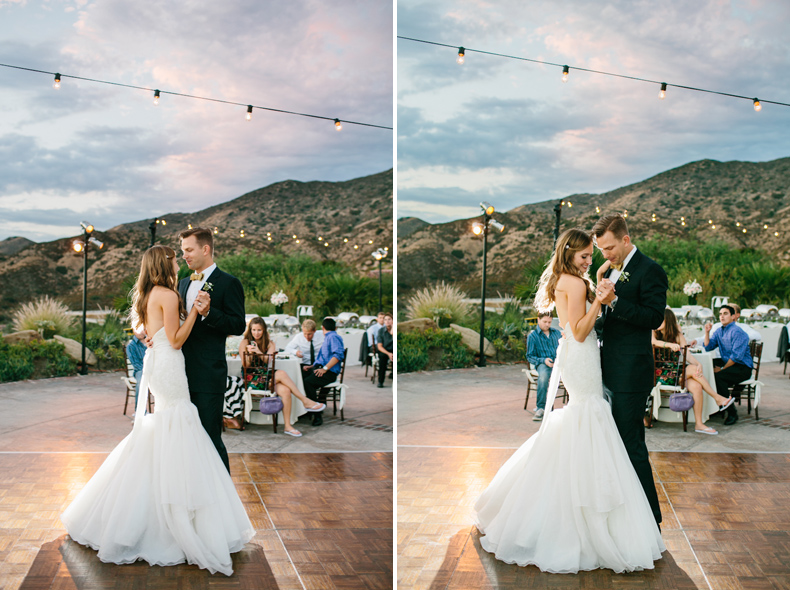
x,y
568,499
163,494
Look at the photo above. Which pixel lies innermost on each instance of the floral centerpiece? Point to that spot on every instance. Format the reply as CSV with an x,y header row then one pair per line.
x,y
279,299
692,289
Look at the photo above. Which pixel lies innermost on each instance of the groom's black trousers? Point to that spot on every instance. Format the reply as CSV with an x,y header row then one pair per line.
x,y
628,410
209,407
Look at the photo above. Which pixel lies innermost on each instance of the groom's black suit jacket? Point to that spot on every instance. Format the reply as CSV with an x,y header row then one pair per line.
x,y
625,331
204,350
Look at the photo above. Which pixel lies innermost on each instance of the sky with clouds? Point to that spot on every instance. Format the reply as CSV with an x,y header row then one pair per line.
x,y
511,132
109,156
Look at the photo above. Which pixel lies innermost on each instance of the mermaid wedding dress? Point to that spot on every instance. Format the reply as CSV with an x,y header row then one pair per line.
x,y
163,494
569,499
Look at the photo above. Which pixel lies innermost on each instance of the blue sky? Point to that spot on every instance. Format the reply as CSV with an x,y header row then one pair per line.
x,y
511,132
109,156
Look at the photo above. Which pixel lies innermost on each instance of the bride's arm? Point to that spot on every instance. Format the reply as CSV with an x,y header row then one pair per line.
x,y
176,334
581,319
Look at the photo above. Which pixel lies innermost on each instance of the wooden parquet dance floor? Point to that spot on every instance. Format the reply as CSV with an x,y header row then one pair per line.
x,y
726,524
322,521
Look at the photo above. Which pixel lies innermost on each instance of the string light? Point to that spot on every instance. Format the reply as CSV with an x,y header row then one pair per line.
x,y
613,74
189,226
565,70
744,230
625,214
269,238
737,224
345,240
663,92
58,77
249,112
654,217
776,233
461,56
765,227
326,243
241,233
710,221
298,242
370,241
338,125
757,105
714,227
56,83
216,231
356,247
294,236
597,209
156,98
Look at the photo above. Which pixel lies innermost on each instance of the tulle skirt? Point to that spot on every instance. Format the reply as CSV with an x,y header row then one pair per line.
x,y
569,499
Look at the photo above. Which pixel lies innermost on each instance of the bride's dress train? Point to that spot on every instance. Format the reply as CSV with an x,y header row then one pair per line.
x,y
569,499
163,494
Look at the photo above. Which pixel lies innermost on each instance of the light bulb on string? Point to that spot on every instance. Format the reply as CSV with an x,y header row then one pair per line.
x,y
156,98
189,226
326,243
345,240
249,112
565,70
356,247
714,227
765,227
737,224
338,125
776,233
56,83
744,230
663,92
757,105
461,56
216,231
597,209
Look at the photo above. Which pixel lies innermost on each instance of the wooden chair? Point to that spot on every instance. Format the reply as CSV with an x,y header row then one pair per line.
x,y
751,387
337,389
260,373
669,375
131,385
532,381
376,368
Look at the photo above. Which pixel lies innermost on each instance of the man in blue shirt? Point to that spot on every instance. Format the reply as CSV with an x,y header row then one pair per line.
x,y
327,366
135,350
542,345
735,364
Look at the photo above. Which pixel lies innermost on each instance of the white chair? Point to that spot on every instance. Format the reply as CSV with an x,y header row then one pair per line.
x,y
336,391
784,313
367,320
748,313
718,301
766,310
532,381
346,318
304,310
705,314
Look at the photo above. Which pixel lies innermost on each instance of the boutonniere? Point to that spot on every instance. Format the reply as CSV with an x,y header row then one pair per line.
x,y
207,287
624,277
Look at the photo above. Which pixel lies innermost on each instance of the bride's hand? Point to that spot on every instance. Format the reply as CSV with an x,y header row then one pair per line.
x,y
602,270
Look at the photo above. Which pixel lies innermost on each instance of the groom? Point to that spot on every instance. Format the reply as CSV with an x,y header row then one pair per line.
x,y
634,292
221,307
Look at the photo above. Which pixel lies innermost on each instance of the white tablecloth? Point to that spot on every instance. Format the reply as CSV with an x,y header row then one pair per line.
x,y
708,405
251,413
352,339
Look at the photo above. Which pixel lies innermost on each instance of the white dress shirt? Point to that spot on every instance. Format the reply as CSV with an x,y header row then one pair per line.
x,y
615,274
299,342
196,286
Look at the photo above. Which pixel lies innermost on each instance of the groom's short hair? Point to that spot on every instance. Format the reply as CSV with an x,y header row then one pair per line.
x,y
614,223
202,235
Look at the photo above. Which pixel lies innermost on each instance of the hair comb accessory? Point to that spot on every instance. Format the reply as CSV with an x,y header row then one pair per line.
x,y
567,246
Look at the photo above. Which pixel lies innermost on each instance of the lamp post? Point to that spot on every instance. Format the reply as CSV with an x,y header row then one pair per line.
x,y
558,212
152,228
482,228
380,255
81,246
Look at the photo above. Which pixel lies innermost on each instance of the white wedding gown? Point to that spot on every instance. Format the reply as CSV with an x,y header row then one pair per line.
x,y
569,499
163,494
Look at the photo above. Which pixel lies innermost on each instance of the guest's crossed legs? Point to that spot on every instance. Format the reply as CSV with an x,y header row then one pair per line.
x,y
628,410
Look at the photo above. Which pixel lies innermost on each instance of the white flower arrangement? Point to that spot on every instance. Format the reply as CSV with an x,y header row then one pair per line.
x,y
692,288
279,298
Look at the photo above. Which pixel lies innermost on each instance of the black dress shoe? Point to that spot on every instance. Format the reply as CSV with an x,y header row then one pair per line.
x,y
731,419
380,385
317,420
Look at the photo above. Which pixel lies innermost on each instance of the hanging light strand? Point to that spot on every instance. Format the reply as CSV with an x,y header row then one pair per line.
x,y
195,97
601,72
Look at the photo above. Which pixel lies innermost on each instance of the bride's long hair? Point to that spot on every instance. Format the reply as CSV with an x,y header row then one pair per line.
x,y
156,269
561,262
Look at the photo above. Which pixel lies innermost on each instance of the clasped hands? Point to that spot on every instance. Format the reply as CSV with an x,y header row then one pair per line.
x,y
203,303
604,292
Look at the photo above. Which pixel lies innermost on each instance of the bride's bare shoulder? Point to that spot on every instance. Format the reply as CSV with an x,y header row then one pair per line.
x,y
162,294
569,283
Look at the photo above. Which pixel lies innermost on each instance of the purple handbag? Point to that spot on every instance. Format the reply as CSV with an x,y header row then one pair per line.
x,y
271,405
681,401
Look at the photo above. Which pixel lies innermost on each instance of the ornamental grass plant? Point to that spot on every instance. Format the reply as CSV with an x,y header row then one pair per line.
x,y
45,315
442,303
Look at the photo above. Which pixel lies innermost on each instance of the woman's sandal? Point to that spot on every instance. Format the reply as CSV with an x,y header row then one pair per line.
x,y
726,404
294,433
318,408
707,430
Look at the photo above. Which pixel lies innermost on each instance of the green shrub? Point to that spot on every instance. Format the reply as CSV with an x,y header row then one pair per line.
x,y
39,359
45,315
432,349
442,303
107,341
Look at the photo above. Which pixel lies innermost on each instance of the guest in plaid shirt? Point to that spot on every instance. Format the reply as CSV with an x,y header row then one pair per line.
x,y
541,351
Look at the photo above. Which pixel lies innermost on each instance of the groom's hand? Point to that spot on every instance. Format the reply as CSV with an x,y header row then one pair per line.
x,y
203,303
605,292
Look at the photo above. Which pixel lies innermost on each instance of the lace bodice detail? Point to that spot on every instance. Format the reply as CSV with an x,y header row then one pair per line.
x,y
163,368
581,366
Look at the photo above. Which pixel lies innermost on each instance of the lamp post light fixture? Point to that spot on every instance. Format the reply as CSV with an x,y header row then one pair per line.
x,y
152,228
558,212
380,255
81,247
479,228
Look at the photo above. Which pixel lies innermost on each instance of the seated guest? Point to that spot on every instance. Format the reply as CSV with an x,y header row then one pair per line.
x,y
135,351
750,332
735,364
327,365
306,345
257,348
669,335
373,329
384,347
542,345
